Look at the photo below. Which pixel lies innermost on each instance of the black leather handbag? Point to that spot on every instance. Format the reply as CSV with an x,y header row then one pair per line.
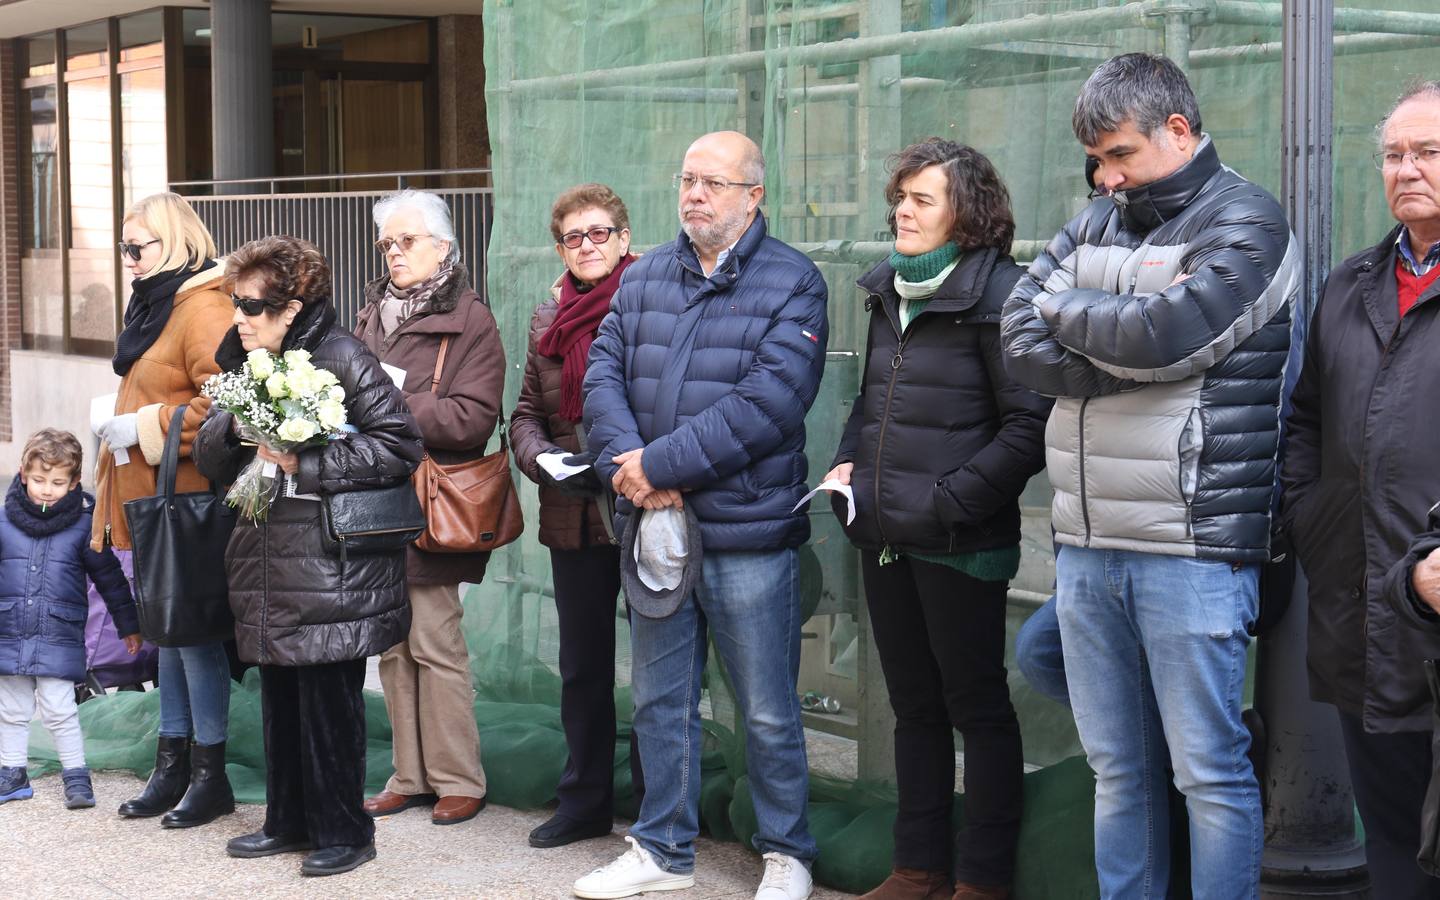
x,y
176,542
381,520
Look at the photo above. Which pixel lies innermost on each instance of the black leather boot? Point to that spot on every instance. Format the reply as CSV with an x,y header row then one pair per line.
x,y
167,783
209,796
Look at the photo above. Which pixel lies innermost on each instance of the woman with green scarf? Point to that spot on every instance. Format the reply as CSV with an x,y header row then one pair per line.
x,y
938,447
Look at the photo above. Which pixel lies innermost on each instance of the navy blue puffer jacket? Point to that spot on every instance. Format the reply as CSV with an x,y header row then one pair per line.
x,y
43,602
713,378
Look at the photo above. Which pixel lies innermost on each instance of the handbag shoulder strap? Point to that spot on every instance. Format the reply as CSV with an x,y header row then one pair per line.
x,y
170,459
439,363
435,384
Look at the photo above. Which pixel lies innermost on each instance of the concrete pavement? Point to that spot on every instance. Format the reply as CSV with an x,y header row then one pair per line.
x,y
49,851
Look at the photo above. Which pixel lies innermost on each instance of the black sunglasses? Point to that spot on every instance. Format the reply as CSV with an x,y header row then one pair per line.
x,y
134,250
597,235
254,306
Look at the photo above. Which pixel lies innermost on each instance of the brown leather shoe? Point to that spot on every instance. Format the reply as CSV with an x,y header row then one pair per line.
x,y
454,810
388,803
964,891
912,884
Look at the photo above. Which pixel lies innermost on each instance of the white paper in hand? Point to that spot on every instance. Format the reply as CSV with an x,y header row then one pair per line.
x,y
837,487
551,462
397,375
102,410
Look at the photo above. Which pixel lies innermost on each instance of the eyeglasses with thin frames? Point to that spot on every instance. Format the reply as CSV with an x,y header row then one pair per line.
x,y
598,234
406,242
1424,158
685,182
134,250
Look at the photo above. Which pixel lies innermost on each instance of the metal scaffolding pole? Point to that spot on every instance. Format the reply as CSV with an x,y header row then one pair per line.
x,y
1310,844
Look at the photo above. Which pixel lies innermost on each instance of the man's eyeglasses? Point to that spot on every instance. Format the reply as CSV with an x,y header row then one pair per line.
x,y
406,242
254,306
685,182
599,234
1390,160
134,250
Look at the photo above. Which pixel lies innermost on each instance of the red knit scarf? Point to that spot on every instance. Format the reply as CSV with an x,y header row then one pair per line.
x,y
573,331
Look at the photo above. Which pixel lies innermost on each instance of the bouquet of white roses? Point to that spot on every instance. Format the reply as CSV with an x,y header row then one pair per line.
x,y
283,402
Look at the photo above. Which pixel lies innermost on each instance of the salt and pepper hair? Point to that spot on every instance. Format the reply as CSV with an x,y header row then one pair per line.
x,y
1134,87
432,208
1427,90
752,165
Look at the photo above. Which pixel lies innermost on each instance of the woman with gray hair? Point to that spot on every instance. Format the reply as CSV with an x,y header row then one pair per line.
x,y
424,317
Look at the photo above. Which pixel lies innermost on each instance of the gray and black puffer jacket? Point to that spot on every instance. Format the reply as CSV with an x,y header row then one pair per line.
x,y
294,603
1166,422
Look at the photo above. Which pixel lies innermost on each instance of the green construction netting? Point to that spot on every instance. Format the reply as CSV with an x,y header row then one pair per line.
x,y
614,91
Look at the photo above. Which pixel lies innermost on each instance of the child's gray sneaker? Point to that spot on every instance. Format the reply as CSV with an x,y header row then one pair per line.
x,y
14,784
78,792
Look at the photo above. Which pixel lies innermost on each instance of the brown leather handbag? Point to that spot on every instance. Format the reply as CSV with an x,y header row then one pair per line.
x,y
469,506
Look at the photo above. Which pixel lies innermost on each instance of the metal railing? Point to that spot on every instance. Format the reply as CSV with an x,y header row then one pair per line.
x,y
340,223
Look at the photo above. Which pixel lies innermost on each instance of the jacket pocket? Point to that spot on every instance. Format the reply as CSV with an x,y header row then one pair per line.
x,y
66,624
1192,441
9,626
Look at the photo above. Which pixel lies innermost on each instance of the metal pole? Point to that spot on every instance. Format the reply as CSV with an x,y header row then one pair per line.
x,y
1310,844
241,92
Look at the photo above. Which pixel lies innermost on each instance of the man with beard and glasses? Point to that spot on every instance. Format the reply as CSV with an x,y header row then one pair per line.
x,y
695,402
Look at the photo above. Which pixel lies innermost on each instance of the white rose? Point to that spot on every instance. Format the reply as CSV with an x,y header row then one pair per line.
x,y
297,430
325,378
297,358
331,414
277,385
301,381
337,392
262,364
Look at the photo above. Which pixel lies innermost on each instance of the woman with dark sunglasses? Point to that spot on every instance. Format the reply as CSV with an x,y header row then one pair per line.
x,y
591,228
421,308
175,319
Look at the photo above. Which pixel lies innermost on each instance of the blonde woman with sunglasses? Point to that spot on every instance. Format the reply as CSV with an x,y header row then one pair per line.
x,y
176,316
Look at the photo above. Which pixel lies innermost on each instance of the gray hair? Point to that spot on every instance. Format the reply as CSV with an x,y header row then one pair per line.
x,y
432,207
1135,87
1429,90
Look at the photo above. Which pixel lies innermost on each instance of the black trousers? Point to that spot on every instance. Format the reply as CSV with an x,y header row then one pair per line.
x,y
587,581
1390,773
314,722
941,637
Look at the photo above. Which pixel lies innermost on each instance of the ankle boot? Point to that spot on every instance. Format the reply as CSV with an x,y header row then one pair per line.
x,y
209,796
912,884
965,891
167,783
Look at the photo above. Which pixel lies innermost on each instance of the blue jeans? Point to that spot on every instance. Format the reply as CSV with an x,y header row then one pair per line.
x,y
195,693
750,602
1039,655
1155,658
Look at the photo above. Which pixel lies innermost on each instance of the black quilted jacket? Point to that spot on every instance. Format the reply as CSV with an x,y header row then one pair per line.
x,y
294,603
942,439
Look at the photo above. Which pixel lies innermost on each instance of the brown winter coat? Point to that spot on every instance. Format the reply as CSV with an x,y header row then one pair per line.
x,y
170,372
456,420
566,522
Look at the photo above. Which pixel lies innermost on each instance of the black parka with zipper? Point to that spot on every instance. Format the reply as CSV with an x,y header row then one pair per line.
x,y
294,603
942,440
1359,477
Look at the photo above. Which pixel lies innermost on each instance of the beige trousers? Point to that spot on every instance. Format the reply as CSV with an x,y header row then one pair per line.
x,y
430,701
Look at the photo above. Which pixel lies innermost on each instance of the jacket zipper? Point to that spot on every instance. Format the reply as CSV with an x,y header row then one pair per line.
x,y
1084,501
895,363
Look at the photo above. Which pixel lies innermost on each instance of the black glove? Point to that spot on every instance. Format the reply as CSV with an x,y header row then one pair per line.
x,y
581,484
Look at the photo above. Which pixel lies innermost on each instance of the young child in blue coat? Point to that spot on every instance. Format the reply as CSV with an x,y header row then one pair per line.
x,y
45,557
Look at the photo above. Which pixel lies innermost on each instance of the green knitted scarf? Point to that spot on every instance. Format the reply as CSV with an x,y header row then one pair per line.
x,y
926,265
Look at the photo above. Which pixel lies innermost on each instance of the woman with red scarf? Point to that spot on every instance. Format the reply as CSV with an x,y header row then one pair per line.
x,y
592,235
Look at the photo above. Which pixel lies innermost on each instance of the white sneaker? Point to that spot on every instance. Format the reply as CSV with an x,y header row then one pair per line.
x,y
786,878
635,872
